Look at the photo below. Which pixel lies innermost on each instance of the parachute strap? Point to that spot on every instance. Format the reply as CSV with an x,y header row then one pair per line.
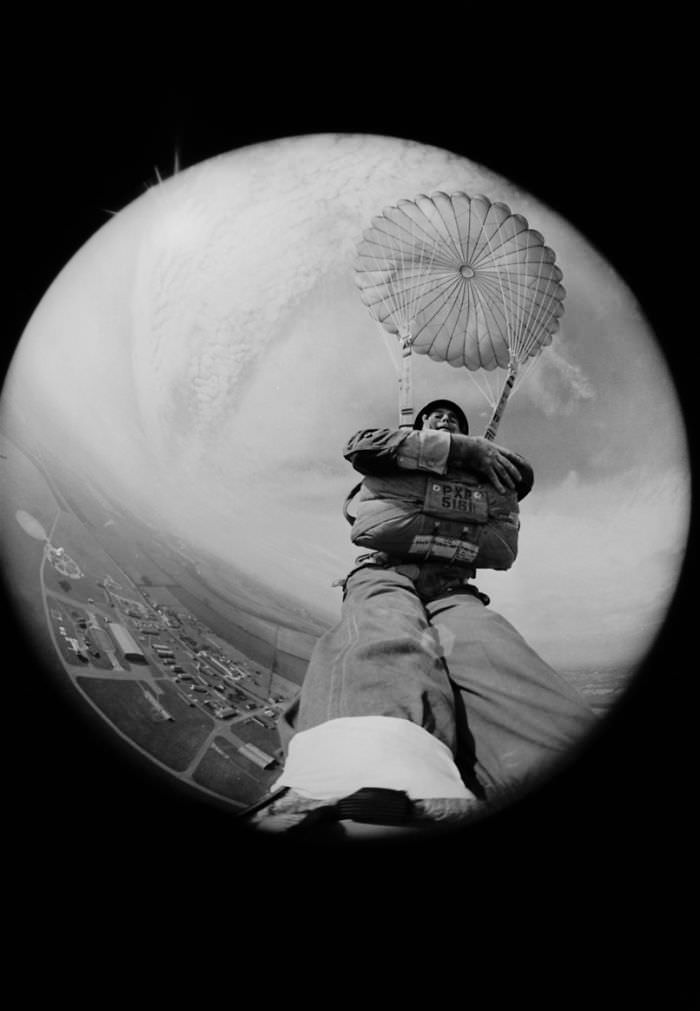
x,y
503,400
406,382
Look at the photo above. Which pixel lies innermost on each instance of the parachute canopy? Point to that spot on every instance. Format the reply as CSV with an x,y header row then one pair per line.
x,y
463,279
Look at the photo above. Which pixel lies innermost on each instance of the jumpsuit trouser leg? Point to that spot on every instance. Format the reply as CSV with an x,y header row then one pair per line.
x,y
519,714
381,659
452,666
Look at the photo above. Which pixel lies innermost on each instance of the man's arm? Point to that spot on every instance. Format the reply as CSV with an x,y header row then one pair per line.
x,y
501,466
385,451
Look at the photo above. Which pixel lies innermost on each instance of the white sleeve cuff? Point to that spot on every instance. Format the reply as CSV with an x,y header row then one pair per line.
x,y
427,449
336,758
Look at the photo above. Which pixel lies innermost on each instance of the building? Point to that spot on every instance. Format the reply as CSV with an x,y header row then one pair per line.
x,y
76,647
257,755
122,637
222,667
99,638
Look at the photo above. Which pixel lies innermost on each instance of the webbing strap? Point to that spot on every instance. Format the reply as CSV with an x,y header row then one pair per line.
x,y
375,806
369,805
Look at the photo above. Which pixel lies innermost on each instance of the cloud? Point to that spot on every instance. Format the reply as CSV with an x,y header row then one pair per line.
x,y
556,385
597,565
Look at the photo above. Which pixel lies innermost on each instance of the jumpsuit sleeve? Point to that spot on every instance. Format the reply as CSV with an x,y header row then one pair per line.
x,y
380,452
385,451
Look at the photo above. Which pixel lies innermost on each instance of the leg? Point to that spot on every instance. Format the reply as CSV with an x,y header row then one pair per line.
x,y
374,722
380,660
520,713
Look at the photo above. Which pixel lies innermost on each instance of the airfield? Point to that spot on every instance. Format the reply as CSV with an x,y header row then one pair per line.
x,y
185,660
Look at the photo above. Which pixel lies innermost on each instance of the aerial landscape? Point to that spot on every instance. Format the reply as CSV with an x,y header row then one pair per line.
x,y
190,677
152,634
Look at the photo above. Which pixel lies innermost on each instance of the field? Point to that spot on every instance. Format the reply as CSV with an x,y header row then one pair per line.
x,y
224,770
77,566
127,707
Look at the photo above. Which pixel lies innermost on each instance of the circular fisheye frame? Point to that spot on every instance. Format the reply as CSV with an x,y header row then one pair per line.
x,y
172,429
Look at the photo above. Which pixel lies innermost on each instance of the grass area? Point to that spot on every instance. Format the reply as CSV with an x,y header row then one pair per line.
x,y
233,776
250,732
124,704
122,544
85,549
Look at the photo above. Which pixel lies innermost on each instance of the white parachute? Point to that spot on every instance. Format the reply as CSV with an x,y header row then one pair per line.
x,y
465,281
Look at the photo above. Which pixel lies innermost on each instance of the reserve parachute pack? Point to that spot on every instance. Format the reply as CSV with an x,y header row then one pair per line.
x,y
459,520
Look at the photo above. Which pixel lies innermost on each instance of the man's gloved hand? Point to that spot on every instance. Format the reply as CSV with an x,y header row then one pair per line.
x,y
503,468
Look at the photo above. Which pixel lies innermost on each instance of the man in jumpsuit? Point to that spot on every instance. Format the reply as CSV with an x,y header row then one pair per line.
x,y
422,704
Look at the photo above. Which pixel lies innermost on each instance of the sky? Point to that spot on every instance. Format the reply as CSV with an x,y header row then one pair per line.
x,y
206,355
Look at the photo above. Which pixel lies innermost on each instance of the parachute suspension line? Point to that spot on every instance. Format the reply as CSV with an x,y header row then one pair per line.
x,y
481,378
544,310
389,300
486,391
424,250
520,296
537,310
389,341
511,286
524,334
390,287
481,292
518,312
411,270
401,314
524,339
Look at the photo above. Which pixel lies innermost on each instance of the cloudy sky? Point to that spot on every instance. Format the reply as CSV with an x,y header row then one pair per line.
x,y
208,353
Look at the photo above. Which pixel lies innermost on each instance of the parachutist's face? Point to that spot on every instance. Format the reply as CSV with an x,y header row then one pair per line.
x,y
442,419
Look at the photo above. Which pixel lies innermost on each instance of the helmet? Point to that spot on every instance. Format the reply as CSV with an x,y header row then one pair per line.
x,y
433,406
